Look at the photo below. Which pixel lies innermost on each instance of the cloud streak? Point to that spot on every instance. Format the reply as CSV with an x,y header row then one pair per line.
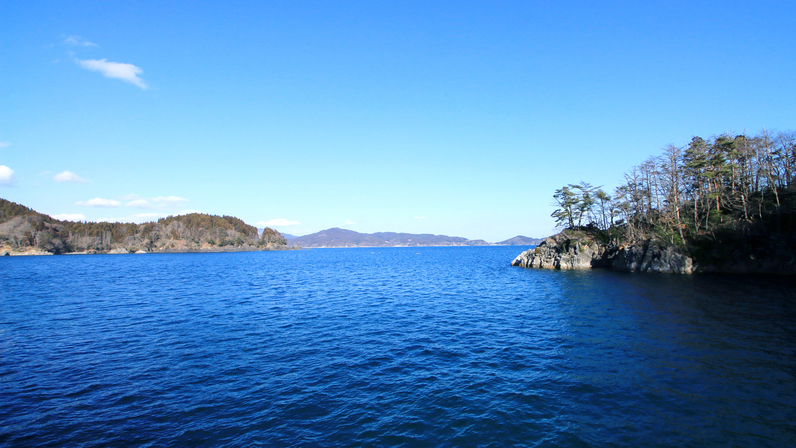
x,y
139,203
7,177
169,201
78,41
99,202
115,70
160,202
4,144
68,176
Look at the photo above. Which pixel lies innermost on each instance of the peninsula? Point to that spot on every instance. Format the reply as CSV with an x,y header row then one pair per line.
x,y
723,204
24,231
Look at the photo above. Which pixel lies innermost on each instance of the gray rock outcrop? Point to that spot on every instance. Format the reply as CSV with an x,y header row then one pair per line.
x,y
651,258
580,250
566,250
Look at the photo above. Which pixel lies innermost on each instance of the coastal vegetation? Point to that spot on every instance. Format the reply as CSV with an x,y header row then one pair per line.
x,y
727,203
743,184
24,230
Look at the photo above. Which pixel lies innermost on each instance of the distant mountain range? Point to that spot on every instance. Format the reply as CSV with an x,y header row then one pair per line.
x,y
336,237
520,240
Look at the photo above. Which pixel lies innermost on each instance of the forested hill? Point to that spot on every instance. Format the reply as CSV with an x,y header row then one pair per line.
x,y
728,202
23,230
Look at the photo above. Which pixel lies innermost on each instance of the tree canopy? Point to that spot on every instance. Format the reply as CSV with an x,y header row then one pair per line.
x,y
32,229
739,182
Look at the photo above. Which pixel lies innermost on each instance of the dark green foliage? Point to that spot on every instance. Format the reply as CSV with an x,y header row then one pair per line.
x,y
718,198
603,236
10,209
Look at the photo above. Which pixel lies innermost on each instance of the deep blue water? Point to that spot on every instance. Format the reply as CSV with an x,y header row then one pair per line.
x,y
388,347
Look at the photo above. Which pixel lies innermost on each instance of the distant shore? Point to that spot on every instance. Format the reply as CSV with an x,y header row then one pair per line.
x,y
419,245
36,252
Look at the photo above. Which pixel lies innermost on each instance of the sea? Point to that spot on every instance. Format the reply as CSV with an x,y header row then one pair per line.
x,y
388,347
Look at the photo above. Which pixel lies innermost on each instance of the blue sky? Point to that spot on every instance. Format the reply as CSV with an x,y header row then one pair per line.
x,y
456,118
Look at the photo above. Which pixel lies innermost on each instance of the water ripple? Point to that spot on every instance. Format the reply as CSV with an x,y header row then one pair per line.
x,y
388,347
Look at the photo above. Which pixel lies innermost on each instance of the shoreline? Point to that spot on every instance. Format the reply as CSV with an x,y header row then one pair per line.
x,y
30,253
36,253
419,245
580,250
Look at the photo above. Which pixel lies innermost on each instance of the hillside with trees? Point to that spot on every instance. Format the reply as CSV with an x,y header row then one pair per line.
x,y
23,230
727,202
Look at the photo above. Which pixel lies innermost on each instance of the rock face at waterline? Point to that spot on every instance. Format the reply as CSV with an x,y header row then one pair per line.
x,y
728,253
580,250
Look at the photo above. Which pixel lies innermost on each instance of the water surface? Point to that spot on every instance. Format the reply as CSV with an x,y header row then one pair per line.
x,y
388,347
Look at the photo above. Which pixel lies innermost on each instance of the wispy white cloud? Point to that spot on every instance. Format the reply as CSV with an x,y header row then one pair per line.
x,y
420,217
348,222
70,217
99,202
7,177
139,203
281,222
169,201
116,70
68,176
78,41
160,202
4,144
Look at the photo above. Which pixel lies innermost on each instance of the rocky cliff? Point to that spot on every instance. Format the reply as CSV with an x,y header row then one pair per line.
x,y
753,254
582,250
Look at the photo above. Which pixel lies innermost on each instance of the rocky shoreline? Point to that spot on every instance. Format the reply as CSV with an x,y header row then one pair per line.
x,y
574,249
6,252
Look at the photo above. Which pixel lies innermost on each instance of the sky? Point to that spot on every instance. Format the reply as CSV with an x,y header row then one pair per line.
x,y
453,117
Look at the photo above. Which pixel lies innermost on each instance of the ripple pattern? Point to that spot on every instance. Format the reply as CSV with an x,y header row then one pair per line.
x,y
388,347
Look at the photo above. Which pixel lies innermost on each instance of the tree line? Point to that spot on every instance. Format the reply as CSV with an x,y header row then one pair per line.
x,y
33,229
738,183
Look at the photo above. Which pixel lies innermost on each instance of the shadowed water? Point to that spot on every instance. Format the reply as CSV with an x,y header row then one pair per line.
x,y
388,347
